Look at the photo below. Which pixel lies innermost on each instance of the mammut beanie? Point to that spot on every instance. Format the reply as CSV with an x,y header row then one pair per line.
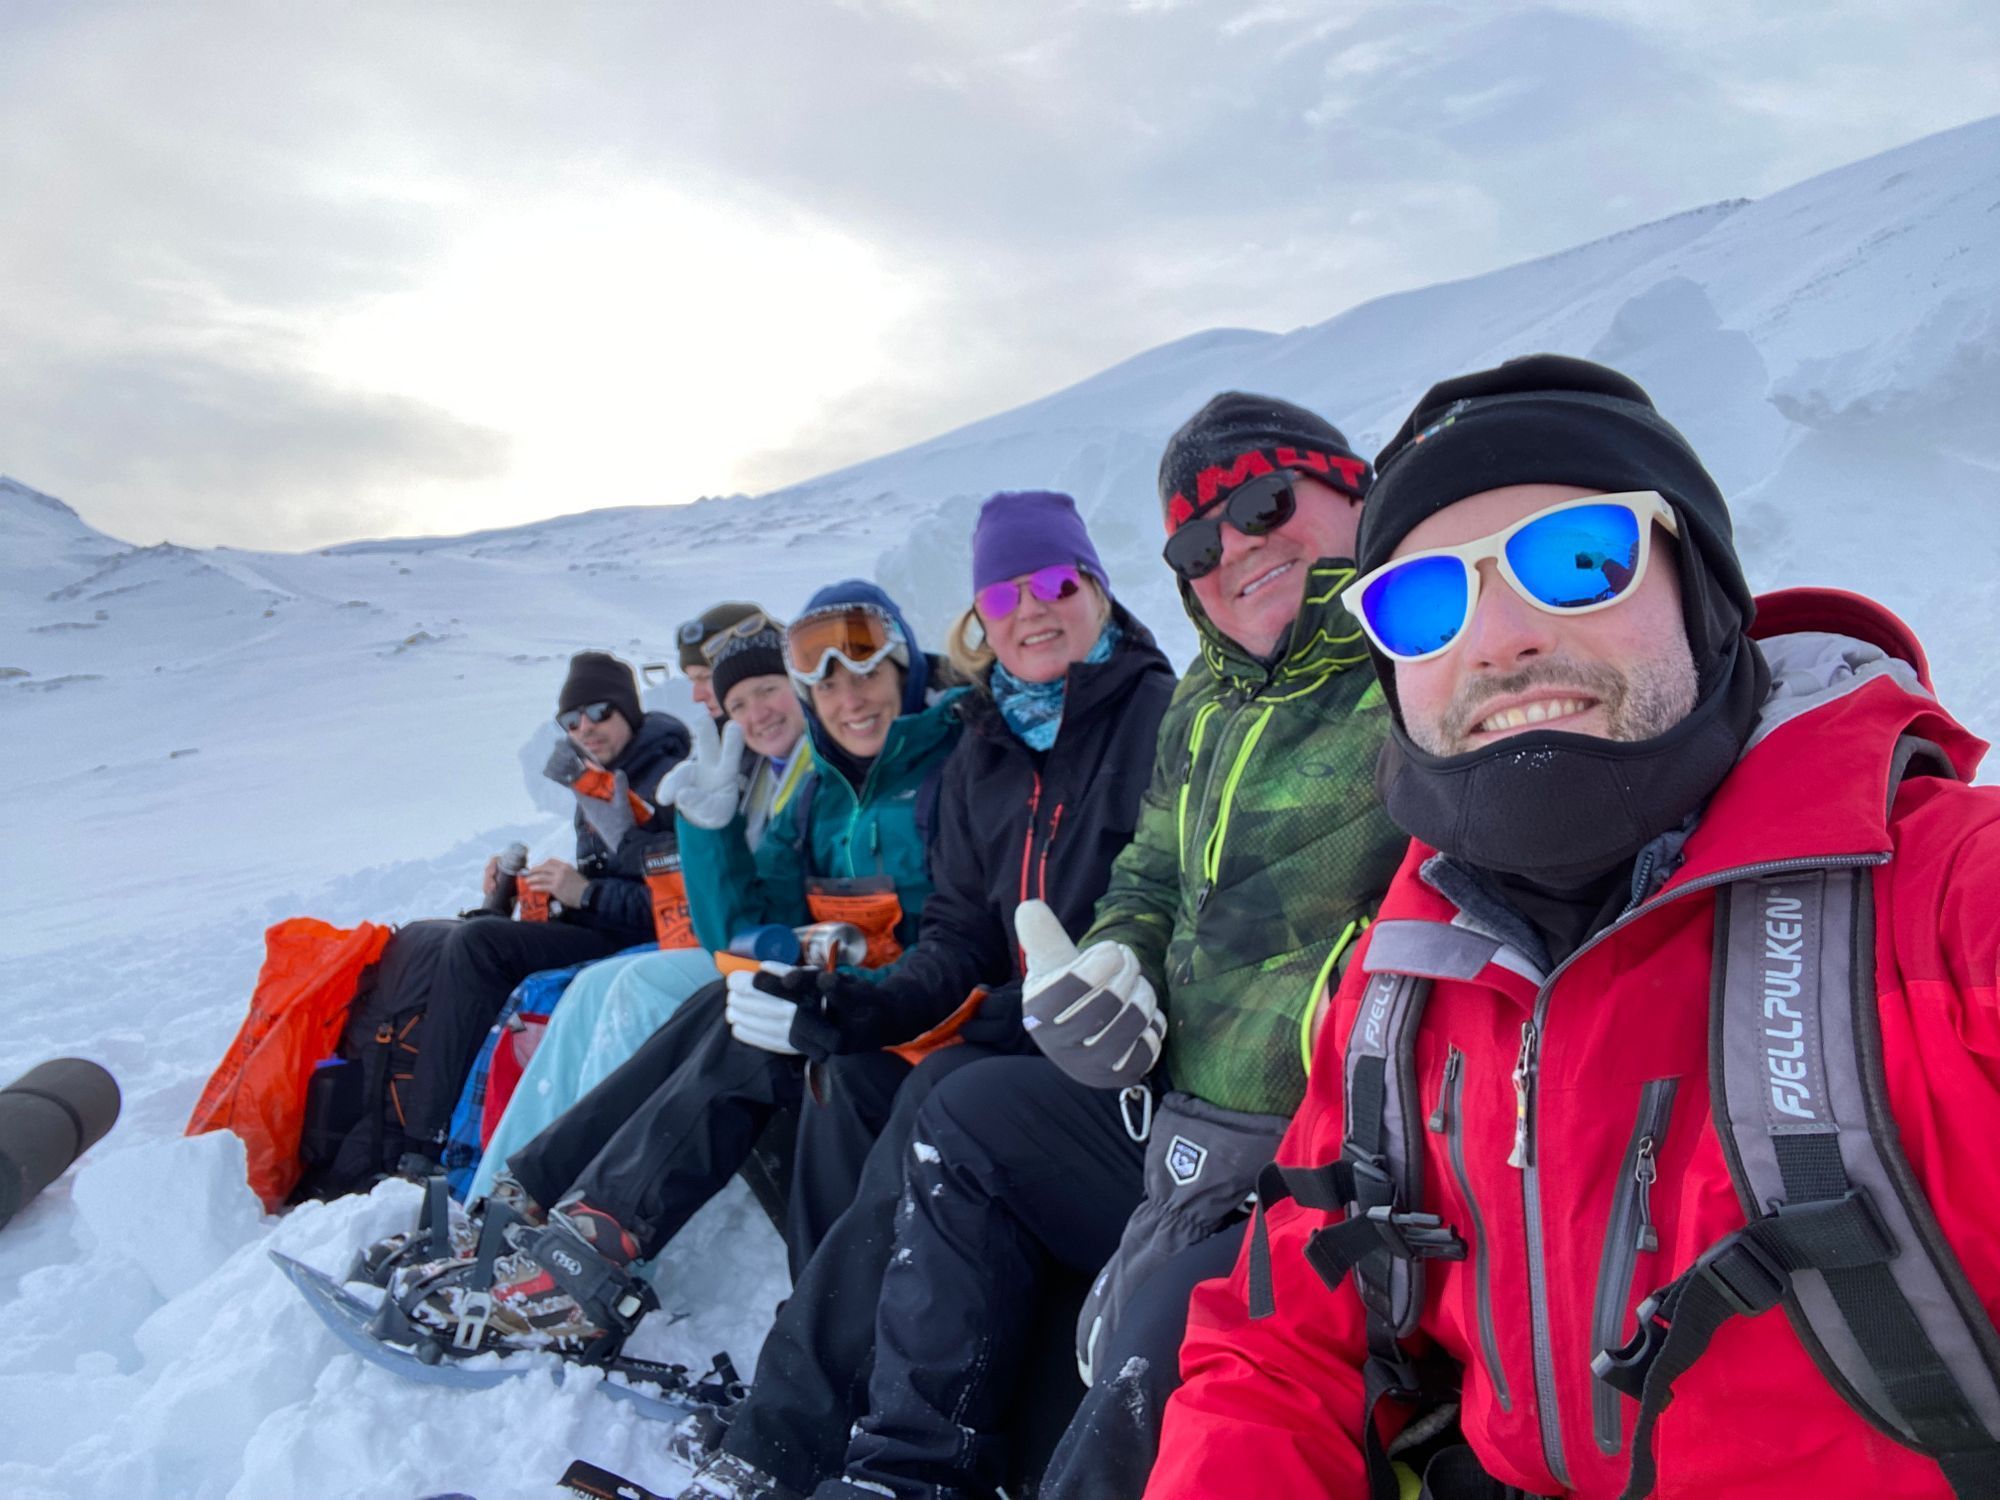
x,y
1237,437
599,677
745,656
1020,531
1551,419
707,625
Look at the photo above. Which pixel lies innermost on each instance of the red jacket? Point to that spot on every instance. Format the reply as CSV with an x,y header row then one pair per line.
x,y
1272,1407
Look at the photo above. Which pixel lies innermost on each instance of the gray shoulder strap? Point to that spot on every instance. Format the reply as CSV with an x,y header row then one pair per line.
x,y
1801,1105
1384,1134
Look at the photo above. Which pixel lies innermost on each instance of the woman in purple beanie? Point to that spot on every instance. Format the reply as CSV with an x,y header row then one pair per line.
x,y
1041,601
1038,799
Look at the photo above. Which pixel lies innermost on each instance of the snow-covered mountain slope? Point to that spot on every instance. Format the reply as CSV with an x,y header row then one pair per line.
x,y
198,742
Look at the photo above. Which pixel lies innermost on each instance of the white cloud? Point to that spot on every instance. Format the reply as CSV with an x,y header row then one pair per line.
x,y
286,274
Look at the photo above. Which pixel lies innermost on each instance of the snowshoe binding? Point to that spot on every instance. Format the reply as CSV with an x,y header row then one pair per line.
x,y
565,1287
378,1263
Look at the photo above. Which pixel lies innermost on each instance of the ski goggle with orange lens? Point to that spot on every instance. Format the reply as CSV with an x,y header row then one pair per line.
x,y
859,636
998,600
1570,559
1255,507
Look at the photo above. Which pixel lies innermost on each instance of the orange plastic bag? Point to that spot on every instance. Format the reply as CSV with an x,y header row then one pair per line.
x,y
311,970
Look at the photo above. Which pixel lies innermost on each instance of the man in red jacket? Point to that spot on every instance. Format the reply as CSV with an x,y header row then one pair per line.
x,y
1598,739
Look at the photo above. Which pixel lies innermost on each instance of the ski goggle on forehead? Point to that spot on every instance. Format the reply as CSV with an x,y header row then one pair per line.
x,y
1570,559
858,636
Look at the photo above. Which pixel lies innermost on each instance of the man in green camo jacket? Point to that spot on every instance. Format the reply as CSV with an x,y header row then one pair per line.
x,y
1260,853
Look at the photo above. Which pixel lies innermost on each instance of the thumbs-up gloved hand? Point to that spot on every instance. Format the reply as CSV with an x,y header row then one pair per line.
x,y
1092,1013
703,787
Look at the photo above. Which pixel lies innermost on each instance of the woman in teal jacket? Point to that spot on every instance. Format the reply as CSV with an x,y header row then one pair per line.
x,y
646,1148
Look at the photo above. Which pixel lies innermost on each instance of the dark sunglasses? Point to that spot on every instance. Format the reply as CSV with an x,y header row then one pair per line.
x,y
1254,508
597,713
998,600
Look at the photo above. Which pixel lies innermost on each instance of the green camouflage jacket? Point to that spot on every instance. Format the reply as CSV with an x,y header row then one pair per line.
x,y
1261,850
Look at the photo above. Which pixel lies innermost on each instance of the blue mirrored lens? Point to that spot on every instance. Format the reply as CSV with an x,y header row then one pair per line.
x,y
1582,556
1418,606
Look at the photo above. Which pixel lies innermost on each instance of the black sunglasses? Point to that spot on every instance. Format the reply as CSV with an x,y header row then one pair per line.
x,y
1254,507
597,713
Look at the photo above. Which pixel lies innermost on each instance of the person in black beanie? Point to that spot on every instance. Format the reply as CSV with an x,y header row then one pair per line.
x,y
612,757
1562,857
1683,978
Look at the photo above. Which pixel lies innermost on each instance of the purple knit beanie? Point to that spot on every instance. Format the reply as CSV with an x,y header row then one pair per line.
x,y
1022,530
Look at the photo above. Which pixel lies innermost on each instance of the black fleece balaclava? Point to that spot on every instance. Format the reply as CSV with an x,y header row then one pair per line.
x,y
1565,809
599,677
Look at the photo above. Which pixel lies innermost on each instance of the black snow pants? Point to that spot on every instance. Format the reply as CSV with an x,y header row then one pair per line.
x,y
1015,1175
812,1377
1108,1451
663,1132
481,963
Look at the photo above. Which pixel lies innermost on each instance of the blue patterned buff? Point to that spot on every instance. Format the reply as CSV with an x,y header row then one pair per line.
x,y
1034,710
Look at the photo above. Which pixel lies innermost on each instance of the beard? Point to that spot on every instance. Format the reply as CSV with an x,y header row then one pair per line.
x,y
1640,701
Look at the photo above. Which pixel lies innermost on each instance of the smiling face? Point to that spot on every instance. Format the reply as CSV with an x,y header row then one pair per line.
x,y
858,708
1040,639
769,712
1622,673
1253,595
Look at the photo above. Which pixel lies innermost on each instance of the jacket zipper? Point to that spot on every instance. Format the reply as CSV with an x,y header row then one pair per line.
x,y
1524,1085
1042,865
1448,1120
1629,1235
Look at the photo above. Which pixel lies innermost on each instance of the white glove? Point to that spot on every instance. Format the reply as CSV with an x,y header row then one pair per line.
x,y
703,787
1093,1014
757,1017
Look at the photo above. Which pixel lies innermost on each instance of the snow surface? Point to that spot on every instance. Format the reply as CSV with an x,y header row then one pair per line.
x,y
201,742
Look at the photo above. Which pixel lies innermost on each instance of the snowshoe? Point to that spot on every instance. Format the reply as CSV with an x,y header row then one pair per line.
x,y
727,1477
355,1321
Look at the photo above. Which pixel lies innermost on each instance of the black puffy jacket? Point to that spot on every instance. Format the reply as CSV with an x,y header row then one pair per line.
x,y
619,902
1014,823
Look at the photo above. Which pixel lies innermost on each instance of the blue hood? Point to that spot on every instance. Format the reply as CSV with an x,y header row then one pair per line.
x,y
917,681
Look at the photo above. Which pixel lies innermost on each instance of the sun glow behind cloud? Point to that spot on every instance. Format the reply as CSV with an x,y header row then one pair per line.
x,y
615,331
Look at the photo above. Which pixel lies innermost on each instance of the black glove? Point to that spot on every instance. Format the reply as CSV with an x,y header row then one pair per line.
x,y
842,1017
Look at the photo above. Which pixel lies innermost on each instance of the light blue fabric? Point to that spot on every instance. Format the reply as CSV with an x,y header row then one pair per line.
x,y
1034,710
608,1010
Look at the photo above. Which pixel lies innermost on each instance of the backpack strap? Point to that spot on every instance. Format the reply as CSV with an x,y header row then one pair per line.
x,y
1377,1183
802,805
1841,1233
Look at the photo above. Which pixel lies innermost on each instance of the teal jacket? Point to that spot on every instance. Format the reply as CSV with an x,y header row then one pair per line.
x,y
852,832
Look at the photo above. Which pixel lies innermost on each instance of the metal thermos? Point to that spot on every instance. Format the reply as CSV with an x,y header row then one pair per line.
x,y
513,860
773,941
49,1117
827,945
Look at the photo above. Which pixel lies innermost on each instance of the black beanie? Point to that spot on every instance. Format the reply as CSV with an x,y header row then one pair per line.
x,y
745,656
1203,459
1551,419
706,626
599,677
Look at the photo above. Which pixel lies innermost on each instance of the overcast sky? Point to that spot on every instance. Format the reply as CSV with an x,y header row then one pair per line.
x,y
281,275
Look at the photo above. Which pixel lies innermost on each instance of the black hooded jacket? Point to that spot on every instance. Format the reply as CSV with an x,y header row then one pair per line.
x,y
1014,823
619,903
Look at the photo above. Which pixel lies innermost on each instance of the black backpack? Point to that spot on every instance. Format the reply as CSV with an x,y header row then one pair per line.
x,y
353,1131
